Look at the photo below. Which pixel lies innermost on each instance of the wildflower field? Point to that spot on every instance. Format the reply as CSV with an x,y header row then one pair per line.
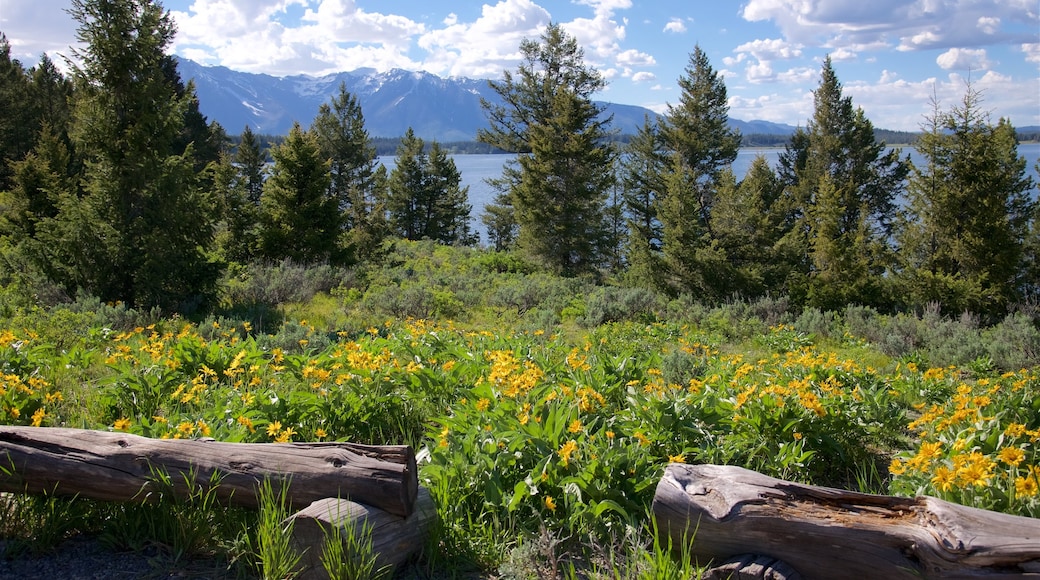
x,y
537,439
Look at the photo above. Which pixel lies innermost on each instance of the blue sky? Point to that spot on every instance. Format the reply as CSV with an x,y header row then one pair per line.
x,y
892,56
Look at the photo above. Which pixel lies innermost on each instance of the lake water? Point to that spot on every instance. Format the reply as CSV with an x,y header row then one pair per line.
x,y
475,169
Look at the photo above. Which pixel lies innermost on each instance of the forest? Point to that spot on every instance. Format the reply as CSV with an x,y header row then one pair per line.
x,y
844,318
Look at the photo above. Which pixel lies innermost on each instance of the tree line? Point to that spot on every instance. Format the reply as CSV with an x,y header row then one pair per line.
x,y
114,184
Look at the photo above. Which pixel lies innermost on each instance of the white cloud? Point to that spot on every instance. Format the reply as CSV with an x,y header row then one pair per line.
x,y
843,54
988,24
1032,51
643,77
633,57
675,25
912,25
964,59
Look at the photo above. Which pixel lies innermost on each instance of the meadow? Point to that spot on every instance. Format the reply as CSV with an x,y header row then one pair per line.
x,y
544,409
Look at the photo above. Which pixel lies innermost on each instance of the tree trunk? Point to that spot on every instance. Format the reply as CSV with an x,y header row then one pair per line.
x,y
394,539
121,467
716,512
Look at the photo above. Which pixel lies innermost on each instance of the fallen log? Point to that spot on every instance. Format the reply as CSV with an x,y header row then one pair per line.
x,y
394,539
717,512
122,467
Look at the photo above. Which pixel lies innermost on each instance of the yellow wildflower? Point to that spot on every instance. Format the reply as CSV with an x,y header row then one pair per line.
x,y
550,503
943,478
482,404
1026,486
320,433
680,458
38,416
566,450
273,428
575,426
1012,456
122,424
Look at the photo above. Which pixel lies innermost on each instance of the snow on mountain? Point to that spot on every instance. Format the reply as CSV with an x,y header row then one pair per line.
x,y
442,109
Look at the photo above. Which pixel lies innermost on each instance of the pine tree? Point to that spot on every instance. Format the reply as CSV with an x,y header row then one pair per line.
x,y
251,162
643,185
140,229
970,213
702,147
425,199
16,115
748,225
358,182
838,149
300,219
558,186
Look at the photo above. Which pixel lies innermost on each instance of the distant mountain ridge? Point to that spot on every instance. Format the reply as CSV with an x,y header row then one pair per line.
x,y
436,108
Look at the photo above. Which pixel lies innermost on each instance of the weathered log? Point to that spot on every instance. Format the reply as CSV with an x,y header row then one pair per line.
x,y
122,467
717,512
394,539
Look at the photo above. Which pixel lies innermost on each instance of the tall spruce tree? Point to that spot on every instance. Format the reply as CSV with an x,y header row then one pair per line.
x,y
358,181
251,161
16,114
643,185
300,219
703,147
837,163
558,187
140,229
970,213
425,199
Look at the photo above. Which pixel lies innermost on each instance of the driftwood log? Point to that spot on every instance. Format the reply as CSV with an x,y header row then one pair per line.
x,y
394,539
718,512
122,467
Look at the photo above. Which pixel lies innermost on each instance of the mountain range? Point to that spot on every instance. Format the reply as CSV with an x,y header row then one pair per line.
x,y
436,108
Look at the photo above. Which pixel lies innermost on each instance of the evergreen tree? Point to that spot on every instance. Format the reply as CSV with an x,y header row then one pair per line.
x,y
357,179
251,162
643,185
558,186
970,211
703,147
748,226
300,219
238,230
16,114
425,200
838,154
140,229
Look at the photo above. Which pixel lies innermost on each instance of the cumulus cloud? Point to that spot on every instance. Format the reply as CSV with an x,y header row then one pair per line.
x,y
964,59
759,56
675,25
919,25
634,57
1032,51
643,77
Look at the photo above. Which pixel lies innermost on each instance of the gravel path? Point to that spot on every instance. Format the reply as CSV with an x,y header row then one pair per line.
x,y
87,559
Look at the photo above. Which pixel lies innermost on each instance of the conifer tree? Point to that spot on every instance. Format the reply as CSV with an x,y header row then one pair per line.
x,y
358,181
702,147
300,219
251,162
838,154
425,199
643,185
16,116
558,186
970,208
140,229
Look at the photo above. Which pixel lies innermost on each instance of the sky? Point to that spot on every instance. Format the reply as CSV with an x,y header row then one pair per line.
x,y
893,57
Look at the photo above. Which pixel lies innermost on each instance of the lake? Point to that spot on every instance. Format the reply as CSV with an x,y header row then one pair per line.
x,y
474,169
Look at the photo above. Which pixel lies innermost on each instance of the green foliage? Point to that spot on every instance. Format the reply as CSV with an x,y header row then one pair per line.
x,y
970,208
300,220
839,202
556,192
425,200
357,181
277,559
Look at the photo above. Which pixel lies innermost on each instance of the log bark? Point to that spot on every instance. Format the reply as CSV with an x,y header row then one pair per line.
x,y
717,512
121,467
394,539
